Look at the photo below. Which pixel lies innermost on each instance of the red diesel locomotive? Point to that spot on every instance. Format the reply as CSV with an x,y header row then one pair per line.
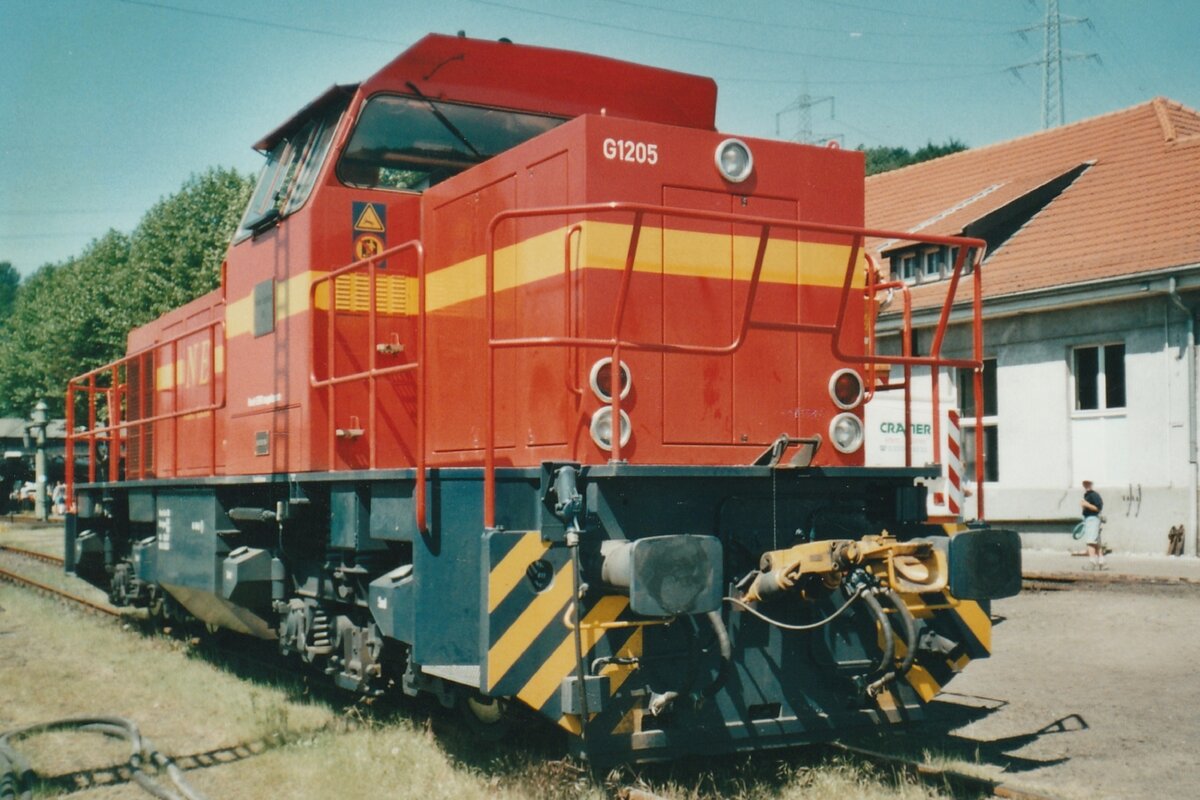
x,y
527,388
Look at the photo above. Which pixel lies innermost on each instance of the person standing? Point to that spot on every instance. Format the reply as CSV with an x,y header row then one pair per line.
x,y
1092,504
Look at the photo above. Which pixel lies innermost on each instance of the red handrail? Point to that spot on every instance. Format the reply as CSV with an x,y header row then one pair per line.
x,y
116,393
766,224
373,373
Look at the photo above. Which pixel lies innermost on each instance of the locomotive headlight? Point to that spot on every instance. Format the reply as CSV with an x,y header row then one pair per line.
x,y
601,379
602,429
734,160
846,431
846,389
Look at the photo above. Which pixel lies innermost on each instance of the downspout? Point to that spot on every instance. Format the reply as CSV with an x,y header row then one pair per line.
x,y
1189,350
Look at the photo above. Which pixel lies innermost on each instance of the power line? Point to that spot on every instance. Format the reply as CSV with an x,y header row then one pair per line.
x,y
260,22
66,211
803,106
865,81
716,43
1053,102
776,24
61,235
912,14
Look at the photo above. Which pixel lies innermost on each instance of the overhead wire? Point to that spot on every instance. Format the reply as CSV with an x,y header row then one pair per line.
x,y
912,14
260,22
777,23
865,81
712,42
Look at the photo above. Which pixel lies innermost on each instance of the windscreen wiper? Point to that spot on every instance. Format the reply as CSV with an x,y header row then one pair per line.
x,y
450,126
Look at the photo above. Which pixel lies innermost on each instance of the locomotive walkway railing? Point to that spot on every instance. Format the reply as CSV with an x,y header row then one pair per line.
x,y
616,342
373,372
107,393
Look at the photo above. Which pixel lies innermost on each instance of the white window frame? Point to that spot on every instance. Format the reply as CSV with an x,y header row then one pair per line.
x,y
928,257
1102,409
967,421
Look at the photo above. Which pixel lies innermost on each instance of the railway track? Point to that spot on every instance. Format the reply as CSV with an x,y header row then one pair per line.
x,y
52,591
958,783
31,554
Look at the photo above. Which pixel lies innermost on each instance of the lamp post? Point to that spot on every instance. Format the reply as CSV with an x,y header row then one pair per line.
x,y
37,428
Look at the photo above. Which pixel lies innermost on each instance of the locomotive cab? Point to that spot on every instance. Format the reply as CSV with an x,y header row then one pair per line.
x,y
526,386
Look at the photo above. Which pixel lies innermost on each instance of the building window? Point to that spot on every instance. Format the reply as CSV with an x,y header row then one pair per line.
x,y
991,422
968,261
933,264
1099,377
908,269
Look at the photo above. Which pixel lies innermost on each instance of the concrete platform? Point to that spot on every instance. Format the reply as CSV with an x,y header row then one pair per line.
x,y
1128,566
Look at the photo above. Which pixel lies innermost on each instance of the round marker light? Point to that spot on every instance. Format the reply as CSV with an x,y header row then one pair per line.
x,y
846,432
734,160
601,379
846,389
602,431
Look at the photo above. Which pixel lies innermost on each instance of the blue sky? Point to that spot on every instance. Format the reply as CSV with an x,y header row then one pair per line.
x,y
106,106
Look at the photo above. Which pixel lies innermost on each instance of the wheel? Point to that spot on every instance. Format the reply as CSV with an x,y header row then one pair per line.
x,y
487,718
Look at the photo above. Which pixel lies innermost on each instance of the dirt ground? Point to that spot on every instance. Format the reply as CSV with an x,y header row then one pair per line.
x,y
1093,693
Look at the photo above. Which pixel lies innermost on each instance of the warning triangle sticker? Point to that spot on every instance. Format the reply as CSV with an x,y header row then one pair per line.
x,y
369,220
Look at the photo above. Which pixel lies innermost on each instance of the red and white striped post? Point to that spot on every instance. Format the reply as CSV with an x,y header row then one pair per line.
x,y
951,499
954,463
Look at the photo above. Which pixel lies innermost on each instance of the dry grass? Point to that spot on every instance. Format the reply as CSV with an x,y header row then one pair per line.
x,y
56,662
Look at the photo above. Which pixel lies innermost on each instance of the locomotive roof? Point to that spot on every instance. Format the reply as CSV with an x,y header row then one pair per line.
x,y
538,79
328,96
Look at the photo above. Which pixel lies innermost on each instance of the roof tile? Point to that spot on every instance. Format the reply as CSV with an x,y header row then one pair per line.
x,y
1135,210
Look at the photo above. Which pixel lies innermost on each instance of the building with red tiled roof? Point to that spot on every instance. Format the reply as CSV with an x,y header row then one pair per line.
x,y
1090,282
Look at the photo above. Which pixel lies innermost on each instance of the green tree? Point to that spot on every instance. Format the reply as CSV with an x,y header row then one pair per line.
x,y
69,318
62,324
10,279
883,159
176,251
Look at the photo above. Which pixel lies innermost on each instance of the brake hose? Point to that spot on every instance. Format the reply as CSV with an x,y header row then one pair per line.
x,y
910,632
790,627
889,639
910,644
718,626
578,590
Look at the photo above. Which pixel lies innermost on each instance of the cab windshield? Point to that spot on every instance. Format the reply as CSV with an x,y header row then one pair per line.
x,y
291,170
411,143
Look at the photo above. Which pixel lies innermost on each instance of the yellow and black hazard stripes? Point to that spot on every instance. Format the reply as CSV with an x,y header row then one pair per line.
x,y
513,555
529,636
965,623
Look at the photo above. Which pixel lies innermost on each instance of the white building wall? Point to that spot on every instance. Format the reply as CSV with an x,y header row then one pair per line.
x,y
1137,456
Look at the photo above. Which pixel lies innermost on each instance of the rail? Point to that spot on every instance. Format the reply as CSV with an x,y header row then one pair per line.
x,y
836,330
373,372
115,432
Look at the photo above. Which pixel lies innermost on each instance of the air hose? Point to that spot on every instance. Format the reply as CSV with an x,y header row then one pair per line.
x,y
578,588
16,776
726,649
910,643
910,632
660,702
889,639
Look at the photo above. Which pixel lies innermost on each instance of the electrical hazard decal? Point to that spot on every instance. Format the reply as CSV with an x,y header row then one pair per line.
x,y
370,229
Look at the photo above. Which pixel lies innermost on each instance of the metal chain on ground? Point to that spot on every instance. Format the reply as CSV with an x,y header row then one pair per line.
x,y
16,776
